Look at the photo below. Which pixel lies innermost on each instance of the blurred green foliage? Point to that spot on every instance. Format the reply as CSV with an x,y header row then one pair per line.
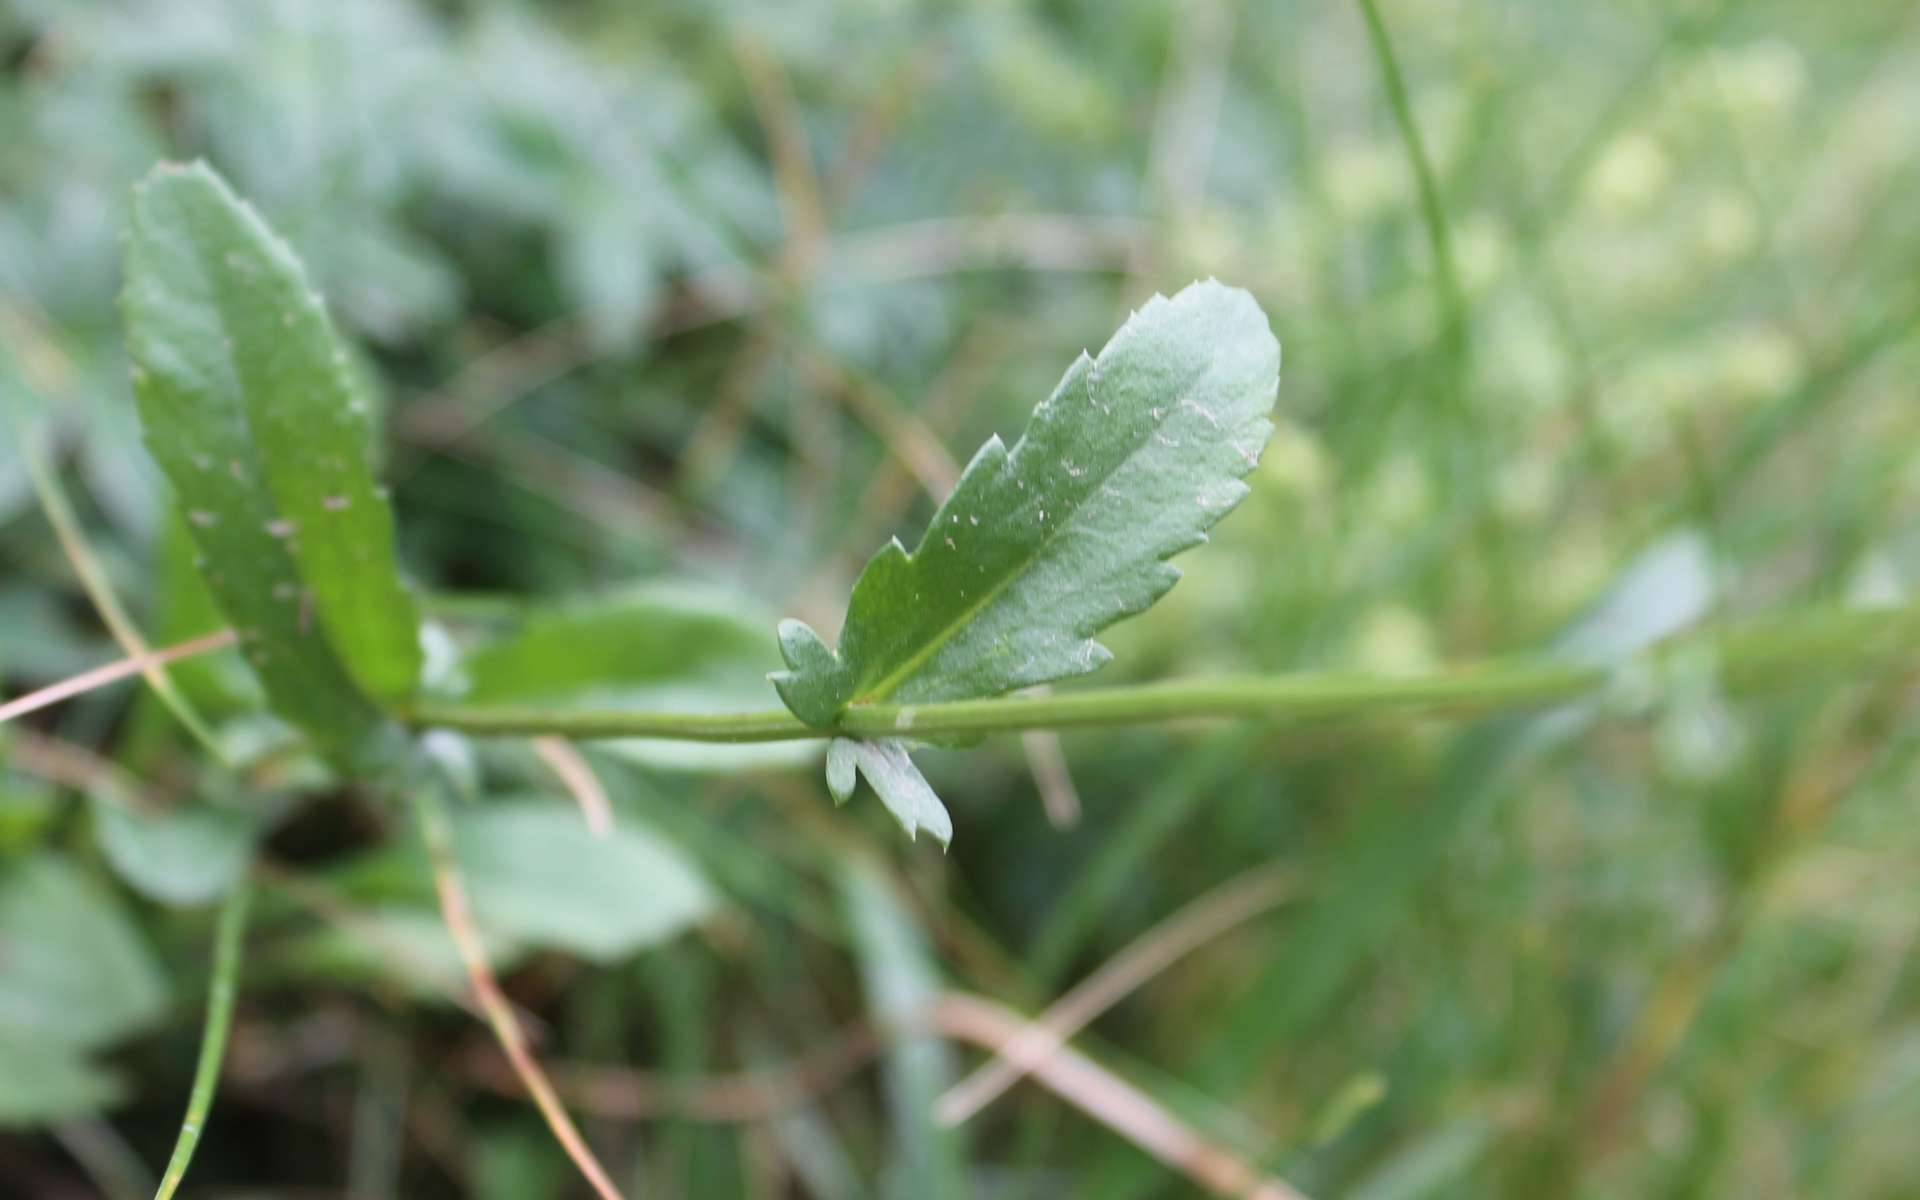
x,y
680,292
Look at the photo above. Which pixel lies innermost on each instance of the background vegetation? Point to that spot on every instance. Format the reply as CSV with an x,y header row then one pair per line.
x,y
706,300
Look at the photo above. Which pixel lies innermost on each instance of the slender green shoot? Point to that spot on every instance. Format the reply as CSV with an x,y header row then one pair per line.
x,y
1749,657
229,936
1448,297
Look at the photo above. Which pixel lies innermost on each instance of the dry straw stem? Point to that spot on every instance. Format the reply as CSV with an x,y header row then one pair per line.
x,y
71,765
1112,1101
566,761
93,580
1068,1074
1212,915
436,830
1021,1048
1047,762
137,664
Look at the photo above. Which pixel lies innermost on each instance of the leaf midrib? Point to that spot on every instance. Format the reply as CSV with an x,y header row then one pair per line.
x,y
209,244
890,682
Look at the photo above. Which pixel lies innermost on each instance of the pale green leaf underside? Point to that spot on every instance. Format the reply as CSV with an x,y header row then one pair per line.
x,y
899,784
250,409
1133,457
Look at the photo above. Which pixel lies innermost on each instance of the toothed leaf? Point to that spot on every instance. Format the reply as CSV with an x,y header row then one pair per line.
x,y
1039,547
898,783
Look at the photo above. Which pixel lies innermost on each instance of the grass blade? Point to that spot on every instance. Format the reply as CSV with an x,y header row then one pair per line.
x,y
229,936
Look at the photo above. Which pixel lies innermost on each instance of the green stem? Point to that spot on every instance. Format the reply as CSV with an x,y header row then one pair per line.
x,y
1747,657
1446,281
213,1041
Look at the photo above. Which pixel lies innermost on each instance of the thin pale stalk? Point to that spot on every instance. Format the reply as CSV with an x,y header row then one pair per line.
x,y
758,1095
1113,1102
228,942
74,766
743,1097
436,829
98,677
1212,915
1052,777
99,589
900,429
105,1157
566,761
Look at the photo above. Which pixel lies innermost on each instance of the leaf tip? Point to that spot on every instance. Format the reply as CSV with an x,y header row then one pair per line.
x,y
803,649
808,687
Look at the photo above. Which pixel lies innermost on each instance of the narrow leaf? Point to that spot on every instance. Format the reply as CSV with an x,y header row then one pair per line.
x,y
1132,458
667,645
902,983
250,408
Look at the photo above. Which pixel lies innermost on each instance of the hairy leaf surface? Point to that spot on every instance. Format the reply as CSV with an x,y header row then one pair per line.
x,y
1133,457
251,411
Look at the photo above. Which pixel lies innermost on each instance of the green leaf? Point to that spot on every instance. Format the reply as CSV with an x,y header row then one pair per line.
x,y
190,854
901,983
252,412
538,875
42,1082
74,976
16,489
218,685
76,972
895,779
670,646
1132,458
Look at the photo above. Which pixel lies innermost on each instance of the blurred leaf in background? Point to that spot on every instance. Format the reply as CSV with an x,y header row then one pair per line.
x,y
79,977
